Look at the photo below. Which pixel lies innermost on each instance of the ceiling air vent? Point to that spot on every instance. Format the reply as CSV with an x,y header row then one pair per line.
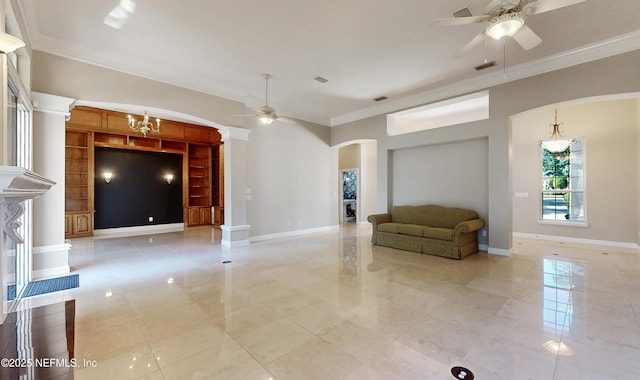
x,y
464,12
485,65
321,79
380,98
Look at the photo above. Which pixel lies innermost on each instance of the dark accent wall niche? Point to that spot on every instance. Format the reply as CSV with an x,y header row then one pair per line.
x,y
138,189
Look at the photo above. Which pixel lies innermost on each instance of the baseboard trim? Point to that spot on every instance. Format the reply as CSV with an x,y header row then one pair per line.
x,y
565,239
295,233
233,244
139,230
51,248
498,251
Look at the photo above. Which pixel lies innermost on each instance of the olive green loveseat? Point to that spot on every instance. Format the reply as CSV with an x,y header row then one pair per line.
x,y
435,230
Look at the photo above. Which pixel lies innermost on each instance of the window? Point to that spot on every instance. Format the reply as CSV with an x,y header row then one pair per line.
x,y
563,182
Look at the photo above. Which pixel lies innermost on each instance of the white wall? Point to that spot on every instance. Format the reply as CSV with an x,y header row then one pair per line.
x,y
611,132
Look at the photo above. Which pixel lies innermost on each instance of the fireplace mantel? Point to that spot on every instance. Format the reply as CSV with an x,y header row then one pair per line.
x,y
16,186
19,182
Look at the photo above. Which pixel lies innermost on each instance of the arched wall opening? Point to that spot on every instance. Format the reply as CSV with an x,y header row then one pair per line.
x,y
360,156
610,125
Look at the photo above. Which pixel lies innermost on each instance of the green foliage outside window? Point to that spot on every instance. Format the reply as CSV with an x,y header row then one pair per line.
x,y
556,167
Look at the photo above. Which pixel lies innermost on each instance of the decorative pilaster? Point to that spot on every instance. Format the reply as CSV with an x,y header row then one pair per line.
x,y
235,230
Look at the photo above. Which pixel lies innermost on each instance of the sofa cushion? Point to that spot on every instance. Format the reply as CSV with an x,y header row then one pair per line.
x,y
438,233
388,227
431,215
407,214
411,229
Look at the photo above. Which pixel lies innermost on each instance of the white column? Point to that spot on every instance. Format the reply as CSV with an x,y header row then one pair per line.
x,y
50,252
235,230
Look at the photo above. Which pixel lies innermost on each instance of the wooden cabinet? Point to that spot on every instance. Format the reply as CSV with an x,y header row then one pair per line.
x,y
78,183
78,224
201,147
205,215
197,216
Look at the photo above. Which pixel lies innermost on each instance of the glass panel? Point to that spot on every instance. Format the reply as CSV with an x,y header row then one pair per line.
x,y
18,154
349,184
563,181
555,206
12,127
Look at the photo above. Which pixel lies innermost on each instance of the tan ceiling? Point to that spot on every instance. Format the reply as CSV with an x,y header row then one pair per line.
x,y
365,48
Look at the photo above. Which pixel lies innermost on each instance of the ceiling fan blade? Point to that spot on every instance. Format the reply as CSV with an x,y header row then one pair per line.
x,y
527,38
542,6
459,20
286,120
477,40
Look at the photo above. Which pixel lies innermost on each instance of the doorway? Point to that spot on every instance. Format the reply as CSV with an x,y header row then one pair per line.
x,y
349,195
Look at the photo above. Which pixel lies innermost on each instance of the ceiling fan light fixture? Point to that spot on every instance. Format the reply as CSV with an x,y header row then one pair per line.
x,y
505,25
266,119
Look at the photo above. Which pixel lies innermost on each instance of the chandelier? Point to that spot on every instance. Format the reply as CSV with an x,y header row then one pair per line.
x,y
143,126
557,143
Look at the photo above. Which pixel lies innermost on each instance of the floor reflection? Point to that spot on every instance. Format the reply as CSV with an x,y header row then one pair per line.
x,y
560,279
38,343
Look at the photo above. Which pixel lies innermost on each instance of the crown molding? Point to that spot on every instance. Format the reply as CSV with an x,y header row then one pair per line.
x,y
617,45
53,104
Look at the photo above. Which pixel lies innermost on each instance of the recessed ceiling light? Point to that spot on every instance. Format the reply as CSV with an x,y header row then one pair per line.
x,y
321,79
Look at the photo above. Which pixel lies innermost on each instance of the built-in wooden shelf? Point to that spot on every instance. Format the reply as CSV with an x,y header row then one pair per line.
x,y
201,148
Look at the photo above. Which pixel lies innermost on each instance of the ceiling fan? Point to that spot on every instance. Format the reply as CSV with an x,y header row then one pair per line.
x,y
506,18
266,114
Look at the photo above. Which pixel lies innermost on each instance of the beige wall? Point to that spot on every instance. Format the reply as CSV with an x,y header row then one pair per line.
x,y
84,82
452,174
368,179
638,165
362,155
292,174
611,132
349,157
614,75
291,168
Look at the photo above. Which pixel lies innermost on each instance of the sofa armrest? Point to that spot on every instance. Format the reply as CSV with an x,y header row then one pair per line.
x,y
376,219
468,226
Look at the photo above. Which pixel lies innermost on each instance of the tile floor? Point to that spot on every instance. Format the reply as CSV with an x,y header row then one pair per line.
x,y
332,306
